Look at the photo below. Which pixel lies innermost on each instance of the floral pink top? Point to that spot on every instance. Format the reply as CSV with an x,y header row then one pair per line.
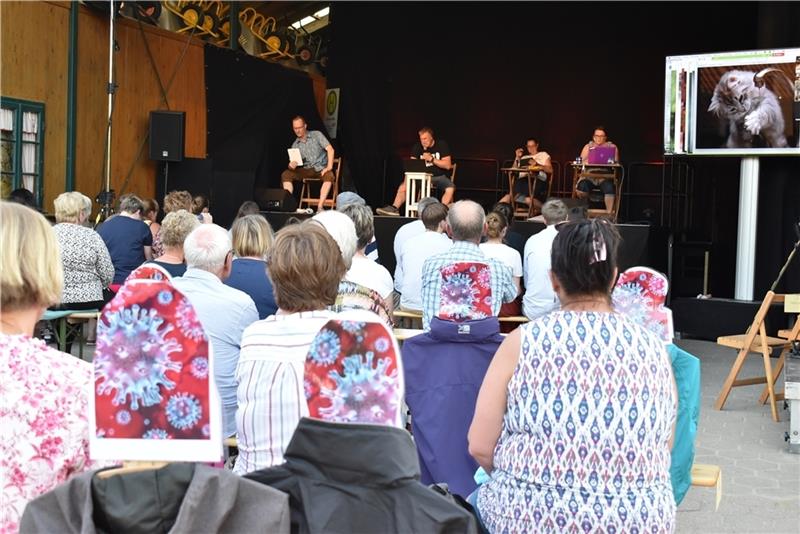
x,y
44,416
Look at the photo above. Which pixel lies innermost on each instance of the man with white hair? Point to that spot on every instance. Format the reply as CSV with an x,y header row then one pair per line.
x,y
466,224
223,311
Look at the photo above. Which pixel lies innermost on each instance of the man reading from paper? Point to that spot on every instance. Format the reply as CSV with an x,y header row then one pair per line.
x,y
315,161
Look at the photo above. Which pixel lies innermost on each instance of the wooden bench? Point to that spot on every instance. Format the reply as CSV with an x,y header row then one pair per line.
x,y
67,322
708,476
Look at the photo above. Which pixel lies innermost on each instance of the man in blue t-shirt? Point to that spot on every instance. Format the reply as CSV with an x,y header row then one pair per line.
x,y
127,238
317,155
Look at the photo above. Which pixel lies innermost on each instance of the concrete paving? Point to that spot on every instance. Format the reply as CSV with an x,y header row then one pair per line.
x,y
760,479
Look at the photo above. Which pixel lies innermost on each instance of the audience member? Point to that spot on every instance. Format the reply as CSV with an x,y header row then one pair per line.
x,y
174,229
416,250
174,201
224,311
150,217
346,198
513,238
597,189
351,466
403,234
24,197
438,162
305,267
534,398
540,298
127,238
248,207
252,239
84,256
465,224
199,204
493,247
45,398
363,270
317,160
343,230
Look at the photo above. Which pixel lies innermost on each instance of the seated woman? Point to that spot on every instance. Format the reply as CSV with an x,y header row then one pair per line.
x,y
305,266
493,247
351,466
84,256
252,239
150,217
363,270
45,392
174,229
574,419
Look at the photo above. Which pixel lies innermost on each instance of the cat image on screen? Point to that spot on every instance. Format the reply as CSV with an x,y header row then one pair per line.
x,y
748,111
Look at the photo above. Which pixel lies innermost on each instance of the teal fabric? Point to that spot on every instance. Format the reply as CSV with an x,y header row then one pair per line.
x,y
686,369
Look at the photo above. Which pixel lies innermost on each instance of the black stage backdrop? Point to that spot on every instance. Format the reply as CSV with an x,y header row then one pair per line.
x,y
486,75
251,103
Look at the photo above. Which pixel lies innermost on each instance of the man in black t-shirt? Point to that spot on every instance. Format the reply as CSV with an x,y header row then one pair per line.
x,y
436,155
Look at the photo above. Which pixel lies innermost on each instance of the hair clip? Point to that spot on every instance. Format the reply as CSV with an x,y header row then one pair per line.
x,y
598,248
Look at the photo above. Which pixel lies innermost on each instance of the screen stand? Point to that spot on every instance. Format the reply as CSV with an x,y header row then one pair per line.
x,y
748,215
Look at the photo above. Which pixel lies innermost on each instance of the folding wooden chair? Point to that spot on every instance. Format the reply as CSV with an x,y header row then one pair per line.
x,y
756,340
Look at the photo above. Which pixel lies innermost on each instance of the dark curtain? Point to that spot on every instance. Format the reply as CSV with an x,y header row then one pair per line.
x,y
778,218
251,103
358,69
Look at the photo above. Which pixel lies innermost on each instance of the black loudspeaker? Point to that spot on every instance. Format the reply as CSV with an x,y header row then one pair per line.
x,y
275,200
166,135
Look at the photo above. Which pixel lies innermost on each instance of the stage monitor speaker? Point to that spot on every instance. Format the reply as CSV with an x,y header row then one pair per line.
x,y
275,200
166,135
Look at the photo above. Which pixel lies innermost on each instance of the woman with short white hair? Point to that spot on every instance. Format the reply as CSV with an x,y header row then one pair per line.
x,y
84,256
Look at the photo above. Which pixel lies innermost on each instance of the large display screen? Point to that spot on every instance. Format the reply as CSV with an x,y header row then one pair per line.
x,y
736,103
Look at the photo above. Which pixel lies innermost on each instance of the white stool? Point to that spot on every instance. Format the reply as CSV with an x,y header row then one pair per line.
x,y
418,185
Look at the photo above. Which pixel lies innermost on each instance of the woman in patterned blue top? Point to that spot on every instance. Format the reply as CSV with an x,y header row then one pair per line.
x,y
575,417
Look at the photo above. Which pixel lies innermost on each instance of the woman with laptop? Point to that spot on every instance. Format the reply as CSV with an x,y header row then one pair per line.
x,y
598,151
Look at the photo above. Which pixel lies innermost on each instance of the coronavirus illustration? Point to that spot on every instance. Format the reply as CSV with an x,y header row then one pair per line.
x,y
325,348
363,393
186,320
458,296
133,357
183,411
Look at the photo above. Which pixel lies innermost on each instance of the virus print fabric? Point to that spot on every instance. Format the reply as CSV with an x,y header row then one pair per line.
x,y
151,366
640,294
149,271
353,374
466,293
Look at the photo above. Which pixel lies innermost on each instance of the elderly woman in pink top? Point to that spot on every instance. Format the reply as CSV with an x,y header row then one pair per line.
x,y
45,405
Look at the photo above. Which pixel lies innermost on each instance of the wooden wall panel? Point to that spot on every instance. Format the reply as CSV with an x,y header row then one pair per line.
x,y
33,66
138,94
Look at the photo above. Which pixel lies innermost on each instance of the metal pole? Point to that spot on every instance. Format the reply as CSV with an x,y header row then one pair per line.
x,y
72,77
110,90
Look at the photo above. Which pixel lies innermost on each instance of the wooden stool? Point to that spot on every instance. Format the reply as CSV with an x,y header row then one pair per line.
x,y
418,185
708,476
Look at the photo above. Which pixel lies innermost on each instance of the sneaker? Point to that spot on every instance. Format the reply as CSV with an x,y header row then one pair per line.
x,y
388,210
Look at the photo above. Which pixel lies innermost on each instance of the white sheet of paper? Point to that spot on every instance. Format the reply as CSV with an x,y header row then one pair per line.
x,y
294,155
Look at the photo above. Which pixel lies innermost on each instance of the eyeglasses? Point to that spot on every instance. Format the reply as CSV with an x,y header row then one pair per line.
x,y
603,136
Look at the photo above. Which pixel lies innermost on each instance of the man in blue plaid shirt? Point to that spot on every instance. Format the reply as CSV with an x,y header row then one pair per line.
x,y
466,223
